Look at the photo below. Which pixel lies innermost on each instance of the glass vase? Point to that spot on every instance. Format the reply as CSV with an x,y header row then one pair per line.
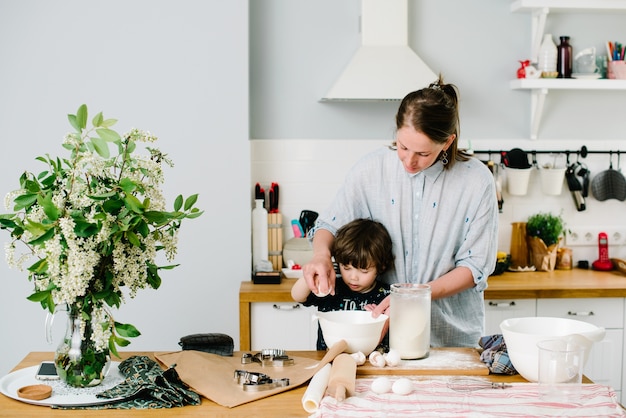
x,y
78,359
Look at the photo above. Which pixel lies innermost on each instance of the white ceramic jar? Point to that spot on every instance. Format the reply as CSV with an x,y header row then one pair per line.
x,y
546,60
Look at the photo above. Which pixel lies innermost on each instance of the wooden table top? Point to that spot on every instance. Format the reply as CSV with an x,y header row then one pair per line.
x,y
285,404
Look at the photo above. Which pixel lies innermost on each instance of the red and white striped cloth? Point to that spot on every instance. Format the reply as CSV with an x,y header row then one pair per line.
x,y
433,398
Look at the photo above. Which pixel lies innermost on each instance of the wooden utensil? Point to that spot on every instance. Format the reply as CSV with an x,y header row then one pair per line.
x,y
342,379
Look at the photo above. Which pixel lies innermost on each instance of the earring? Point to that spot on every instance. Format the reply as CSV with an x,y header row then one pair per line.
x,y
444,157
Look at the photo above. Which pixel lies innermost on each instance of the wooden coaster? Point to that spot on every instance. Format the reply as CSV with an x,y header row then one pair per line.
x,y
35,392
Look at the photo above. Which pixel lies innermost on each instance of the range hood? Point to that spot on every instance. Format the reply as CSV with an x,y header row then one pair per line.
x,y
384,67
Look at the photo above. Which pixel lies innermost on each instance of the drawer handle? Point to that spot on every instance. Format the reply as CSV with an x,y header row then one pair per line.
x,y
502,304
287,308
584,313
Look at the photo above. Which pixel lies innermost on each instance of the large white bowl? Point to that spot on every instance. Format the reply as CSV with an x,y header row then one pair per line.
x,y
359,329
521,336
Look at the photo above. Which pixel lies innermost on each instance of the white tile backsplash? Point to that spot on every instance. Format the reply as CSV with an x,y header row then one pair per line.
x,y
310,172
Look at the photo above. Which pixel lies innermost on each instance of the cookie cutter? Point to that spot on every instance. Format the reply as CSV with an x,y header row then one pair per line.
x,y
268,357
254,381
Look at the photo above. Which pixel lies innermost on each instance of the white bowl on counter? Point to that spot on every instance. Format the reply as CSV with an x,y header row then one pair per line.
x,y
521,336
359,329
292,273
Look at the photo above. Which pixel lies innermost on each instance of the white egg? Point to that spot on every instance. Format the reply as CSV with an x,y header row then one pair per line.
x,y
359,358
381,385
376,359
402,386
392,358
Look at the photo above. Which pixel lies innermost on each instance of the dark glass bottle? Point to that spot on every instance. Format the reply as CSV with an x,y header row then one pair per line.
x,y
564,58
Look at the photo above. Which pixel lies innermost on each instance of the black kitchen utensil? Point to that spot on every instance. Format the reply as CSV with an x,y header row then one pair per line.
x,y
307,219
575,187
609,184
516,158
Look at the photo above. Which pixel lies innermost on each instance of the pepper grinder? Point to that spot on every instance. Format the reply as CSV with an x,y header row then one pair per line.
x,y
564,58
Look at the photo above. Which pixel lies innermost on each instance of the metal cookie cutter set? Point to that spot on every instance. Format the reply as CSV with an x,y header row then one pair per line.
x,y
254,381
268,357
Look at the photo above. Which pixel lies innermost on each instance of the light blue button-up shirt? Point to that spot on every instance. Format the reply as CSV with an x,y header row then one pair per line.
x,y
438,220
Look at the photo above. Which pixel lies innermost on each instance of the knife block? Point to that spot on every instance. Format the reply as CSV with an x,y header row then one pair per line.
x,y
275,240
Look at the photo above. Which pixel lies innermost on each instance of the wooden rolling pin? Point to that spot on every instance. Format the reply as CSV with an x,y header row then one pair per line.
x,y
342,380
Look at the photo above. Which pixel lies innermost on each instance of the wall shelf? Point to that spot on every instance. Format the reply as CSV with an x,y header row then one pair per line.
x,y
539,88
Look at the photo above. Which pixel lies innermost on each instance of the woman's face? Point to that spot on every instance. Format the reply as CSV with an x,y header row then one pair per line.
x,y
358,280
416,151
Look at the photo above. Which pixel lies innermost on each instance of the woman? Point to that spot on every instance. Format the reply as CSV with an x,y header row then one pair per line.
x,y
439,206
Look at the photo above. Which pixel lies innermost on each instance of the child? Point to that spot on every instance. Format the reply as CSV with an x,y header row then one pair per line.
x,y
362,252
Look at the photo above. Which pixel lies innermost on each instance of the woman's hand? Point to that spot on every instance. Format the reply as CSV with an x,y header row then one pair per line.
x,y
319,275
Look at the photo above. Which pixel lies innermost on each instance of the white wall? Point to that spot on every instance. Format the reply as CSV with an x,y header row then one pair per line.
x,y
176,68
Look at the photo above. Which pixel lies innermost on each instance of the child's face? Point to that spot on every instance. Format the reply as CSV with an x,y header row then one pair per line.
x,y
358,280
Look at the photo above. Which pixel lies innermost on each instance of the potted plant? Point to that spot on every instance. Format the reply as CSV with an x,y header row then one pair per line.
x,y
544,232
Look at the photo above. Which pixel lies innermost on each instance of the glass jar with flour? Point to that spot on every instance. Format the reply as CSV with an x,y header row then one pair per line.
x,y
409,320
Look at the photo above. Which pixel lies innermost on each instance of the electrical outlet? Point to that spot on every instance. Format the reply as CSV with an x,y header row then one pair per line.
x,y
588,235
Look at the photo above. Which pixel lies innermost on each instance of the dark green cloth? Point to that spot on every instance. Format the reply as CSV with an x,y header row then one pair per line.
x,y
146,385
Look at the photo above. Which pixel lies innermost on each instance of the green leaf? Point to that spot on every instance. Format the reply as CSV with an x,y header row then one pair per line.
x,y
178,203
112,347
157,217
85,229
101,147
43,238
24,201
97,120
51,211
108,135
81,117
39,267
128,185
191,200
74,123
127,330
133,204
132,238
194,215
107,123
39,296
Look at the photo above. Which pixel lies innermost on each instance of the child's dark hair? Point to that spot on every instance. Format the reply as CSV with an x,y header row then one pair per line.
x,y
363,243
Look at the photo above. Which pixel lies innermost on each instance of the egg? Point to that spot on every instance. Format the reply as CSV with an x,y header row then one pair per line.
x,y
392,358
359,358
402,386
376,359
381,385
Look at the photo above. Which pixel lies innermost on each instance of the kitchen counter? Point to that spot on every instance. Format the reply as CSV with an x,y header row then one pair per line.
x,y
575,283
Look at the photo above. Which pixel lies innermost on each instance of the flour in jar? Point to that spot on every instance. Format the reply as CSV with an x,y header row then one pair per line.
x,y
409,325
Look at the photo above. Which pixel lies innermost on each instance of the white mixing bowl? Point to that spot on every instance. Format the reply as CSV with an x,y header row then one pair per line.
x,y
521,336
359,329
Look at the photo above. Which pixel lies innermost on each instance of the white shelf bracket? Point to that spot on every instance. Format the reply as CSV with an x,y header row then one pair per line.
x,y
537,100
539,17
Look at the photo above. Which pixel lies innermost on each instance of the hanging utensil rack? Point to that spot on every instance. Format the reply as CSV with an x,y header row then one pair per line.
x,y
582,152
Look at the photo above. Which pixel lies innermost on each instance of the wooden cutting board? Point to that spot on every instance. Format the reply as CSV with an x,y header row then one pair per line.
x,y
441,361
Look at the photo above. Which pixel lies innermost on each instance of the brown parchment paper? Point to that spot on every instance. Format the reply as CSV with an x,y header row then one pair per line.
x,y
212,375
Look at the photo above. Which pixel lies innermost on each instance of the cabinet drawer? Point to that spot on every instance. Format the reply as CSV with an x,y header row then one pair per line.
x,y
497,311
603,312
287,326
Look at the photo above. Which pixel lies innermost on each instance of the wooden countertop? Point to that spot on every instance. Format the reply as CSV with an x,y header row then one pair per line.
x,y
575,283
286,404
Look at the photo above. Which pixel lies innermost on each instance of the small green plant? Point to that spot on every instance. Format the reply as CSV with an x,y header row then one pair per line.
x,y
546,226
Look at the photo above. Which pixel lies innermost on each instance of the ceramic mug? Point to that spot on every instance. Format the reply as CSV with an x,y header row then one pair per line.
x,y
617,70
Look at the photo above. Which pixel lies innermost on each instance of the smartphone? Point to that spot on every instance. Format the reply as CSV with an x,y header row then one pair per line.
x,y
47,371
